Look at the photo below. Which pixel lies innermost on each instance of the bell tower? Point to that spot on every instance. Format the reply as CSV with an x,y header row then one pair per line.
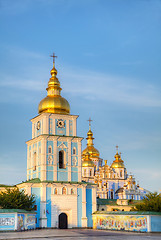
x,y
54,152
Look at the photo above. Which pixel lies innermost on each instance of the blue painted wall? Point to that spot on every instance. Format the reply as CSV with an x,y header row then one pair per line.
x,y
74,176
79,206
156,223
89,207
7,218
36,192
48,206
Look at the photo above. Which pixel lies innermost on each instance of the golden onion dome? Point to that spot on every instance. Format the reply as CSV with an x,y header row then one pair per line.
x,y
54,102
90,146
87,161
92,151
118,162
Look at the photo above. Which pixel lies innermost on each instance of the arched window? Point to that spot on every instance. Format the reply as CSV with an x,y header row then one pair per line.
x,y
50,149
74,151
72,191
34,161
56,191
90,172
61,159
121,173
84,172
64,191
111,193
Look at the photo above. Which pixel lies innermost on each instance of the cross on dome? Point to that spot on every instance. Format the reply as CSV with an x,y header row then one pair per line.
x,y
89,120
53,56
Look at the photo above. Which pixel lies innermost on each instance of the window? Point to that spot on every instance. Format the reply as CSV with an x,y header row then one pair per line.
x,y
107,195
84,172
90,172
34,161
72,191
56,191
121,173
61,159
111,194
64,191
102,209
74,151
50,150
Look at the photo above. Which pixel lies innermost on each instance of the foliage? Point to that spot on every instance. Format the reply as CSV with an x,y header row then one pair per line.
x,y
151,202
16,199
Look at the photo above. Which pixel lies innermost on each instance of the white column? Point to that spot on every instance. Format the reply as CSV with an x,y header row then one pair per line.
x,y
46,125
84,216
94,205
37,151
43,160
55,160
32,130
69,160
148,223
67,127
74,127
43,218
53,126
79,162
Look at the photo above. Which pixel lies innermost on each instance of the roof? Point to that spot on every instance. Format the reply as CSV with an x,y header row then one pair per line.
x,y
101,201
120,190
15,210
37,180
126,213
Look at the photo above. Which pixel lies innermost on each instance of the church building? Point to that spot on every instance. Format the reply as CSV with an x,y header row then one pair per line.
x,y
54,168
113,181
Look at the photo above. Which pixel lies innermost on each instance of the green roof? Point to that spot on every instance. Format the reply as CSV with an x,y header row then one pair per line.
x,y
15,210
126,213
37,180
3,185
101,201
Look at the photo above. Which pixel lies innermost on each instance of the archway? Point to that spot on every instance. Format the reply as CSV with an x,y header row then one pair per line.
x,y
63,221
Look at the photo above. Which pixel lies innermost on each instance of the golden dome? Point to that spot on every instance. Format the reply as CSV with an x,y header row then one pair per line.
x,y
87,161
54,102
118,162
90,146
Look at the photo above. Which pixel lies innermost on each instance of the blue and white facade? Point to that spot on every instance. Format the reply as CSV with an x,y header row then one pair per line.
x,y
54,172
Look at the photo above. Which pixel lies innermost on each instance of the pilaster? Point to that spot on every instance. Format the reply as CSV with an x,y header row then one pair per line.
x,y
84,216
43,218
79,162
43,160
69,160
55,160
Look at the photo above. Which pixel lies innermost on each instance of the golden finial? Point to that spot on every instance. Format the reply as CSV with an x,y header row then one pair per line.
x,y
89,120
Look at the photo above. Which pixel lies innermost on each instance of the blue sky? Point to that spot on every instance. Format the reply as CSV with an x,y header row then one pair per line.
x,y
109,66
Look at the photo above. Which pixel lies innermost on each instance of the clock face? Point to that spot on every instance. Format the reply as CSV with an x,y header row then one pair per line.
x,y
61,123
38,125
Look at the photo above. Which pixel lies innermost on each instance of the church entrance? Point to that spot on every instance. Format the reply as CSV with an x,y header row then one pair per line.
x,y
63,221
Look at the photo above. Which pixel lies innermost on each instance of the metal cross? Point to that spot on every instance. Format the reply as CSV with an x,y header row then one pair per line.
x,y
53,56
89,121
117,148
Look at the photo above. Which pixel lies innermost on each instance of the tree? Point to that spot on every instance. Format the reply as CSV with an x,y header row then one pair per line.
x,y
151,202
16,199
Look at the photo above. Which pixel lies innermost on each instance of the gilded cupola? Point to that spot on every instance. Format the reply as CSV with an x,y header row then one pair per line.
x,y
118,162
87,162
54,102
90,146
